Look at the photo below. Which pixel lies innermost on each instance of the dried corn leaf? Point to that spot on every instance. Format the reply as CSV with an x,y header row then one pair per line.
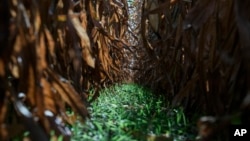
x,y
68,94
85,42
31,86
41,54
2,68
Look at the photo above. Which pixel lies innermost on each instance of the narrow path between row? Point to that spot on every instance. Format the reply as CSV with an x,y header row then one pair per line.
x,y
130,112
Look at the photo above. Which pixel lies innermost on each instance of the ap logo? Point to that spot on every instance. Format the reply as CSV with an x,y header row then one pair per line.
x,y
240,132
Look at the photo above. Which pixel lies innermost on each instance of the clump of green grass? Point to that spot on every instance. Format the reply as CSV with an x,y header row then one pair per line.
x,y
129,112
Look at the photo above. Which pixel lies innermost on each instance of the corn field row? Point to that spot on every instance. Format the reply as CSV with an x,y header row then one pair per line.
x,y
194,52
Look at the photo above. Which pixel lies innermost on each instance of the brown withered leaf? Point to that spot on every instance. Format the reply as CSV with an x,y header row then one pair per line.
x,y
41,54
31,86
85,42
2,68
49,101
92,11
3,110
50,42
68,94
14,68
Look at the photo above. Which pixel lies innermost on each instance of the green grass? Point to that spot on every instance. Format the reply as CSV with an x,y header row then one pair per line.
x,y
129,112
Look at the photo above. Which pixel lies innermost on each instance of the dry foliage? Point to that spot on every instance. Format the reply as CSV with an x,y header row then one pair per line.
x,y
198,53
51,53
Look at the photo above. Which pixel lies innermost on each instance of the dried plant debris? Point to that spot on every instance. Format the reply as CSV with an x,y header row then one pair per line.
x,y
199,58
195,52
53,52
